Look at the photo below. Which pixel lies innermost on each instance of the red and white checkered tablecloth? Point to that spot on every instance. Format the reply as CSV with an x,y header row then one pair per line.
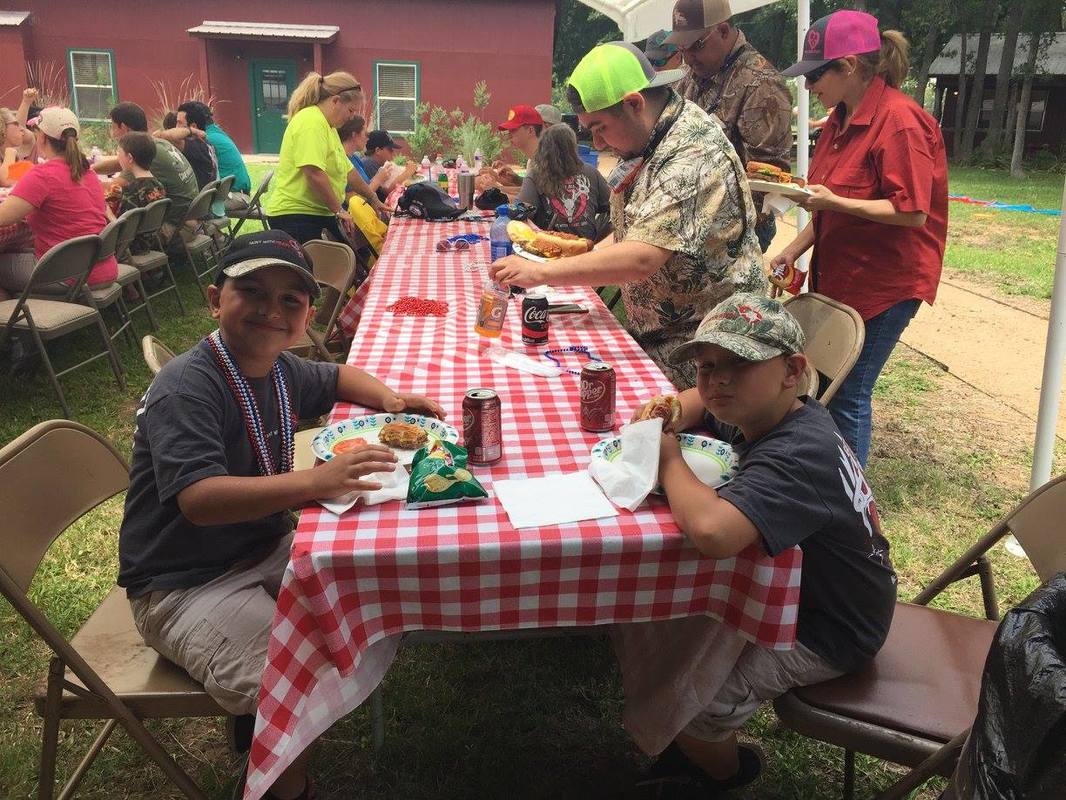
x,y
16,237
358,580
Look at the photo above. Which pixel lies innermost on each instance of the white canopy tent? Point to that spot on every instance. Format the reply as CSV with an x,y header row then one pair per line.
x,y
638,19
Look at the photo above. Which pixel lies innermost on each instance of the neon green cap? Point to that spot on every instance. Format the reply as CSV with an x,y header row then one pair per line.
x,y
609,72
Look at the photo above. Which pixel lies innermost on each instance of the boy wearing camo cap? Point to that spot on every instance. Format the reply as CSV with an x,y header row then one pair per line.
x,y
798,484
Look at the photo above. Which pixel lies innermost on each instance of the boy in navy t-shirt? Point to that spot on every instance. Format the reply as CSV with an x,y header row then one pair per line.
x,y
798,484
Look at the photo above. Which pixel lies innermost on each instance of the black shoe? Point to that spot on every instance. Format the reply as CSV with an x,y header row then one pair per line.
x,y
674,776
239,732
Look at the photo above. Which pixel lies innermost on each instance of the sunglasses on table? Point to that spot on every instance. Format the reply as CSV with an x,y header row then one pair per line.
x,y
815,75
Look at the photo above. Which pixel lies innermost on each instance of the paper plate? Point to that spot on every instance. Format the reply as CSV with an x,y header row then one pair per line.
x,y
712,459
521,251
789,190
369,428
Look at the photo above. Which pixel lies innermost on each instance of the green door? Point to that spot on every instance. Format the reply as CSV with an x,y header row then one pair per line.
x,y
272,83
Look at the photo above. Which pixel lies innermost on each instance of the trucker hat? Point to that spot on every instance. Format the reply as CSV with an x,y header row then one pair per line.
x,y
53,120
658,50
749,325
842,33
693,18
609,72
379,139
273,248
517,116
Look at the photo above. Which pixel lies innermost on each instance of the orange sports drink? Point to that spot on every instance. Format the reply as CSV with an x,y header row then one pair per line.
x,y
491,310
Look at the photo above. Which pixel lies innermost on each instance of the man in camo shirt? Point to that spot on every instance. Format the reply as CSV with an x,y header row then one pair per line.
x,y
731,79
684,223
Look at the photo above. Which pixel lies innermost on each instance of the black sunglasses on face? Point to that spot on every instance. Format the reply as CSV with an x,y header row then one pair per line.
x,y
697,45
815,75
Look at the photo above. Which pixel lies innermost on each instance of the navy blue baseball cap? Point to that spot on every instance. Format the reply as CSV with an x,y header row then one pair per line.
x,y
254,251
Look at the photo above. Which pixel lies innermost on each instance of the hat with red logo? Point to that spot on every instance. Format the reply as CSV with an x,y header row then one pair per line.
x,y
694,18
842,33
519,116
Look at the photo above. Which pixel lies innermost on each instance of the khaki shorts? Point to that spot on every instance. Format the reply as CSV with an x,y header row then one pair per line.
x,y
760,674
218,632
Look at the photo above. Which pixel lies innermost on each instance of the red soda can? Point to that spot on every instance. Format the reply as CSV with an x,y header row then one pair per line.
x,y
535,319
482,426
597,397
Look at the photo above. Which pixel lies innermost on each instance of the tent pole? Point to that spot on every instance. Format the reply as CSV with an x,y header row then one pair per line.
x,y
803,116
1054,354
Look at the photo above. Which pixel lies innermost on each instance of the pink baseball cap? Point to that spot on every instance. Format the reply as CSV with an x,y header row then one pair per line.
x,y
842,33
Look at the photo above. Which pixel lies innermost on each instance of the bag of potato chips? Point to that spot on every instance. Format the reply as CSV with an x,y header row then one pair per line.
x,y
439,476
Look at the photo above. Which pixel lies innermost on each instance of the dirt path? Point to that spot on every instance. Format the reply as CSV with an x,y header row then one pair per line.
x,y
991,341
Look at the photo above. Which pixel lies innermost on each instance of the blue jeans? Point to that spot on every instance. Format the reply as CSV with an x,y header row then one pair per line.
x,y
850,407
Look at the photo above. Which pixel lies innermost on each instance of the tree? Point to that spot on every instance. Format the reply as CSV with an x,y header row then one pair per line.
x,y
960,95
577,30
975,99
1041,16
994,140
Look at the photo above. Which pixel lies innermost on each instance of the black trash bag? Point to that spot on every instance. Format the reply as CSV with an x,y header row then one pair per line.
x,y
426,200
491,199
1017,747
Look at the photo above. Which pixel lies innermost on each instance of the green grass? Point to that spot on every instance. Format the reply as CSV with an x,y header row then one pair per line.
x,y
1011,250
525,720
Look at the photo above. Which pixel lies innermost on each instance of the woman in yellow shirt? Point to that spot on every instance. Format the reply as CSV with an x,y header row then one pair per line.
x,y
313,170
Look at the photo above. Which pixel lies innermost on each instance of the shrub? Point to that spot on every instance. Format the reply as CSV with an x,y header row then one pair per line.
x,y
455,132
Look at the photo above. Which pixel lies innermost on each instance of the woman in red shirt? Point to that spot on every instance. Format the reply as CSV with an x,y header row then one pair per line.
x,y
879,193
59,199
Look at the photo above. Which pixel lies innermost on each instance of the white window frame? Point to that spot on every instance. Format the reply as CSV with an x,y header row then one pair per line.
x,y
75,86
378,97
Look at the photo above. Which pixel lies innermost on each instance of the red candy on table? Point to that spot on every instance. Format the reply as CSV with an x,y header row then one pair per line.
x,y
418,307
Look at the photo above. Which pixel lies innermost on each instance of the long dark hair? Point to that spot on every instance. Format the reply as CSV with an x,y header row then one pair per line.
x,y
555,161
68,148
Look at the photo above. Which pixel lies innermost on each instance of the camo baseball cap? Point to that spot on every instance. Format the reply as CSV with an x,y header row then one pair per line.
x,y
752,326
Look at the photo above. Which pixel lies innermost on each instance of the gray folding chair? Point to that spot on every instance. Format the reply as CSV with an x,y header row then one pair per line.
x,y
129,275
47,319
156,354
105,671
219,221
334,268
254,209
196,238
150,230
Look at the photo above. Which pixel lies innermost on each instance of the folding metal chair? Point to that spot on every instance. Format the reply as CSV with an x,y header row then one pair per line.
x,y
334,269
48,319
105,671
196,238
255,207
920,692
835,334
129,275
150,230
156,354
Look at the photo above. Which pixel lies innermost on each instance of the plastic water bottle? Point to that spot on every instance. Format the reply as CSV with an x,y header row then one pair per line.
x,y
427,168
438,166
460,164
499,241
95,154
477,161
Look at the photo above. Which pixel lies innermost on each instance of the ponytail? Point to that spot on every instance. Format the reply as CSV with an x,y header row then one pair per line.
x,y
67,148
315,88
891,63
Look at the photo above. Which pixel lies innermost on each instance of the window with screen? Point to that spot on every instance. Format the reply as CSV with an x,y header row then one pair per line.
x,y
92,78
396,96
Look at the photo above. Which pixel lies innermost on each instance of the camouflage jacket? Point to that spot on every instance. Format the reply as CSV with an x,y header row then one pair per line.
x,y
688,198
751,101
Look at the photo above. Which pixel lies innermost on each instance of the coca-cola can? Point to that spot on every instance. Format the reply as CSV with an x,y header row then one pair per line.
x,y
535,319
597,397
482,426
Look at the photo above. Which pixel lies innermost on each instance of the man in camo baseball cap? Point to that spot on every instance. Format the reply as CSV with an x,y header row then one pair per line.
x,y
751,326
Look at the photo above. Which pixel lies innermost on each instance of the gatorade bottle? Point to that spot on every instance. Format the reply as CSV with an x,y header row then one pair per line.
x,y
499,241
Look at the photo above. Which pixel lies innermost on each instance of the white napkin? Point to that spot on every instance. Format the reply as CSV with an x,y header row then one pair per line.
x,y
630,478
393,487
777,204
552,500
522,362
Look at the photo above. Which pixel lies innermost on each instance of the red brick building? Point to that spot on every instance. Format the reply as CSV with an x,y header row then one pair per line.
x,y
249,56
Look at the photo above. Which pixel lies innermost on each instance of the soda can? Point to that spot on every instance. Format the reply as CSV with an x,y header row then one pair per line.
x,y
597,397
535,319
482,426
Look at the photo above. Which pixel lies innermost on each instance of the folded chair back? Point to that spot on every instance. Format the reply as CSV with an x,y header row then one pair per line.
x,y
109,237
835,334
333,264
35,513
156,354
131,222
224,187
1037,524
200,206
67,261
155,213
